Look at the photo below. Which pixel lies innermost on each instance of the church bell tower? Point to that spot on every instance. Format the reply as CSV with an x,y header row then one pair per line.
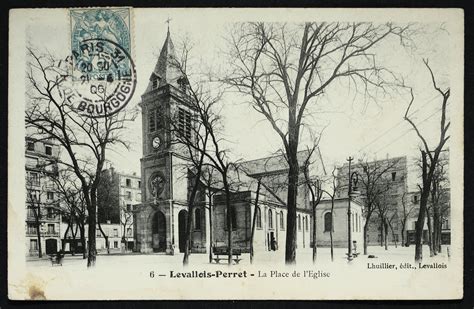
x,y
164,179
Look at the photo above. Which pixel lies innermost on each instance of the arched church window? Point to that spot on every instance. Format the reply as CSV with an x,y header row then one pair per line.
x,y
282,221
270,219
197,219
258,218
327,222
306,223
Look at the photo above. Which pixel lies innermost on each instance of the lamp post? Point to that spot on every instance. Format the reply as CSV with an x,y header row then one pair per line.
x,y
352,192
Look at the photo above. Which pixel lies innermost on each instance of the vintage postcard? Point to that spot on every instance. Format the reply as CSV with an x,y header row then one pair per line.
x,y
311,154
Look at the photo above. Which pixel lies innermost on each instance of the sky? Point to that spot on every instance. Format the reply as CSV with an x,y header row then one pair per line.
x,y
351,127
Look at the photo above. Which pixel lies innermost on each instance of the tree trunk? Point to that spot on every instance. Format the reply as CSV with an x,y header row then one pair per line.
x,y
436,229
403,233
83,239
366,227
381,233
385,235
331,229
430,232
229,220
254,219
91,233
106,237
422,212
37,213
189,221
315,250
290,250
210,230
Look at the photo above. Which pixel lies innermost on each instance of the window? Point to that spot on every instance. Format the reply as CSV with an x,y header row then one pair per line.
x,y
115,244
299,222
155,82
151,121
306,223
48,150
50,228
33,179
394,175
30,213
50,213
115,232
327,222
258,218
129,232
31,229
129,195
415,199
184,123
445,225
30,146
129,207
50,195
197,219
33,244
282,221
139,184
128,182
270,219
33,196
160,119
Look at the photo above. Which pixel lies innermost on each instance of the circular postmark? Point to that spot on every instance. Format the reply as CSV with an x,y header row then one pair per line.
x,y
102,80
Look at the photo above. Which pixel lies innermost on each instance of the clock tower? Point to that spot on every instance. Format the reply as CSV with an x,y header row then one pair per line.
x,y
161,219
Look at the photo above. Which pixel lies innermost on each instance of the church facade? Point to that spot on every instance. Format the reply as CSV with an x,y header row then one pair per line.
x,y
160,219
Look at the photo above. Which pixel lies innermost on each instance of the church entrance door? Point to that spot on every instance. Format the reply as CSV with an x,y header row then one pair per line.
x,y
159,232
182,218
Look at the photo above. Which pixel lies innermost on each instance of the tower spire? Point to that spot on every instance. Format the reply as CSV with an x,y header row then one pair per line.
x,y
168,22
166,70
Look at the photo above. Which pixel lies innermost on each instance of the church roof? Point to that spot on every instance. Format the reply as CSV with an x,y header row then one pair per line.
x,y
166,69
273,164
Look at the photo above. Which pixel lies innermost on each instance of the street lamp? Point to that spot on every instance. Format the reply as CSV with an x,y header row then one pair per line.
x,y
352,192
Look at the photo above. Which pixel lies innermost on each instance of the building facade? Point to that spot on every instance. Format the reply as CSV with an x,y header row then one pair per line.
x,y
42,203
338,222
390,174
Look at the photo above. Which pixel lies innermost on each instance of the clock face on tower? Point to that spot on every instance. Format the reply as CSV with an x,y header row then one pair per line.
x,y
156,142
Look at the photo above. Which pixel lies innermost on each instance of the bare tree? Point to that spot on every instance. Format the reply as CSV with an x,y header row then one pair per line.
x,y
439,200
84,139
284,69
72,205
407,210
429,158
331,192
374,187
314,185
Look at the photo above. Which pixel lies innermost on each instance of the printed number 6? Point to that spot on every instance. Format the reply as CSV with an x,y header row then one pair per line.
x,y
152,274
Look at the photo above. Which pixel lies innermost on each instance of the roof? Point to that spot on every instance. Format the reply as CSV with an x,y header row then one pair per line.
x,y
278,164
166,68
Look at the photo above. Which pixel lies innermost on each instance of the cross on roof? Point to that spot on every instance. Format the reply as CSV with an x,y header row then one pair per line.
x,y
168,22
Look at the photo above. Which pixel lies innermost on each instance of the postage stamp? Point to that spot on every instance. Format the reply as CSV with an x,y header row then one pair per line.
x,y
103,76
108,24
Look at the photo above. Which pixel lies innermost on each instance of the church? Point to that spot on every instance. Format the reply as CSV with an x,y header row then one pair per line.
x,y
160,220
